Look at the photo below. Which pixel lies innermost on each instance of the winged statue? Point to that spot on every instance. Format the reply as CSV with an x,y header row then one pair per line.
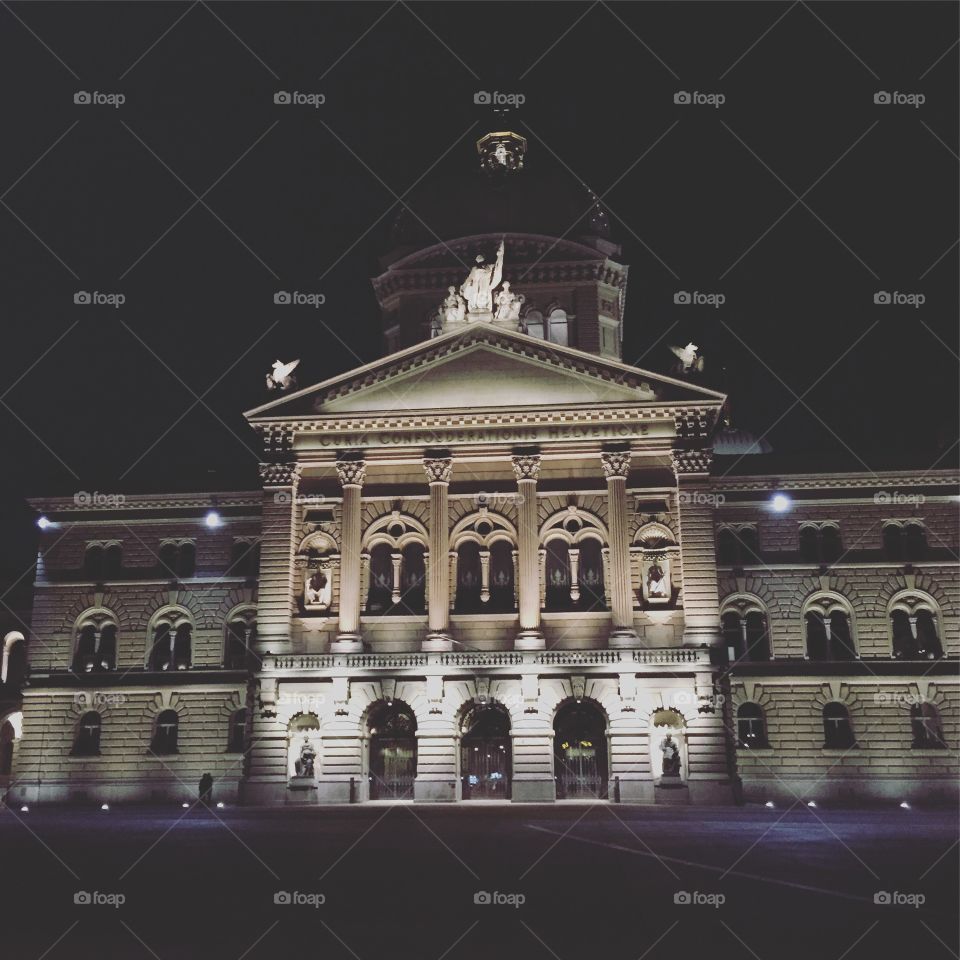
x,y
281,377
690,360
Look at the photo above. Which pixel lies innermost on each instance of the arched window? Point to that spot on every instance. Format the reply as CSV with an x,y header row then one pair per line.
x,y
914,542
93,562
469,578
533,324
241,634
837,729
172,645
820,543
236,737
96,646
178,559
8,736
829,632
485,753
165,733
557,572
727,547
830,547
558,327
893,541
915,635
926,727
749,547
413,580
751,725
590,575
380,590
244,558
501,577
87,742
746,636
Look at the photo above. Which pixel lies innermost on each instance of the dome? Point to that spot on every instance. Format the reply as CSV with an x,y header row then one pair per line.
x,y
502,194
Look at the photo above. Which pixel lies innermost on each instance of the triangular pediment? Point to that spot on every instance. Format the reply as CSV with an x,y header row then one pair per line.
x,y
483,367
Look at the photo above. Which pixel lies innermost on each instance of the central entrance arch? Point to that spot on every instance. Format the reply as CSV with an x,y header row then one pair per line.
x,y
580,751
393,751
485,753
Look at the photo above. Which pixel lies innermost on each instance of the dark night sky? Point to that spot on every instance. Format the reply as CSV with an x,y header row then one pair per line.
x,y
100,385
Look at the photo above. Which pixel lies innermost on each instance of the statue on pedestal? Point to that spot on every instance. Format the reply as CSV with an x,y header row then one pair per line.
x,y
508,304
453,308
671,756
304,765
478,288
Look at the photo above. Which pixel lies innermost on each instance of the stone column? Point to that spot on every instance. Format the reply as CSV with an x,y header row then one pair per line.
x,y
277,544
701,604
351,474
527,469
616,466
438,472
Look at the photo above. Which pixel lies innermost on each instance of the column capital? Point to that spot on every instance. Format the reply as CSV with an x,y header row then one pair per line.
x,y
280,474
526,467
615,464
351,472
687,462
438,469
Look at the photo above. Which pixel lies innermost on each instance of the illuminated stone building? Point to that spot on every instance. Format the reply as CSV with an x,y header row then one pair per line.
x,y
495,563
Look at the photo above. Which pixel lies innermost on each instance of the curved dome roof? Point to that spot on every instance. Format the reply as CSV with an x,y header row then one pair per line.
x,y
502,197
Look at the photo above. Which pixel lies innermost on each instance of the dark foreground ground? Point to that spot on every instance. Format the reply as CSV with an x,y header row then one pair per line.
x,y
401,881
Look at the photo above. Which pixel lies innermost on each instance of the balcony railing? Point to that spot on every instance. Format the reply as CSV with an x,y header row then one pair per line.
x,y
310,662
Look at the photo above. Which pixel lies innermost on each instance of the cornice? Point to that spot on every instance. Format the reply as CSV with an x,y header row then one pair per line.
x,y
835,481
147,501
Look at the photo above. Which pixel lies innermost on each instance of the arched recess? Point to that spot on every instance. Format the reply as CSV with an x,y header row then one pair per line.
x,y
483,547
914,619
317,564
170,639
95,638
11,730
303,747
486,755
669,759
829,627
14,666
240,637
581,752
574,550
746,628
391,738
654,553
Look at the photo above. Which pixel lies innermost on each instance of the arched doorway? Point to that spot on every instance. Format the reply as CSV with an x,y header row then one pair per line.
x,y
580,751
393,751
485,755
8,736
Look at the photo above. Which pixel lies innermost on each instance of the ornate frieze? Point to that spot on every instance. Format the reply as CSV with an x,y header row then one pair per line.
x,y
280,474
686,462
